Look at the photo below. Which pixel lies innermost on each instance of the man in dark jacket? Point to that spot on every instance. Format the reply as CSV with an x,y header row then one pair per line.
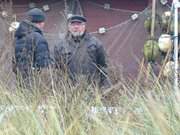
x,y
31,48
81,54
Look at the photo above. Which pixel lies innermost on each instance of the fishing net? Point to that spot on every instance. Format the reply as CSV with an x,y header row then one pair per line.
x,y
123,40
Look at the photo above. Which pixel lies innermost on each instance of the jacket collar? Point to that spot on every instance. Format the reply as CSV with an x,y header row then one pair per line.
x,y
25,28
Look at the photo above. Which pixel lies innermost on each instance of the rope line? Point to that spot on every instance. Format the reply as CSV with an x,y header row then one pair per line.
x,y
122,23
24,13
49,15
95,32
50,3
114,9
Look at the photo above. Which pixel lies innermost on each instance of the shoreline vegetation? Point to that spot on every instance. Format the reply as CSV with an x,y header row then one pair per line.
x,y
128,107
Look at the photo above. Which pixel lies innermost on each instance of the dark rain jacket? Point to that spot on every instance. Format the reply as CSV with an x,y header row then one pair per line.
x,y
85,56
31,48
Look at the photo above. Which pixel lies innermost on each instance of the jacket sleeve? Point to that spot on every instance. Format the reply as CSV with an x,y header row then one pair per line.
x,y
41,52
102,64
101,57
58,56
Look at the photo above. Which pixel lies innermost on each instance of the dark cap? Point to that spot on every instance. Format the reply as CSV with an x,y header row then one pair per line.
x,y
77,18
36,15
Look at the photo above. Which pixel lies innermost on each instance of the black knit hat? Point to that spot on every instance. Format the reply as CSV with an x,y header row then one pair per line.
x,y
77,18
36,15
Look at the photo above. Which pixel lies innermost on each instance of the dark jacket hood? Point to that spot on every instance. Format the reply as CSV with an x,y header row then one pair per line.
x,y
26,27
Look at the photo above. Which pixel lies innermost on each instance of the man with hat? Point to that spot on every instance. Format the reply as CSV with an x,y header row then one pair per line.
x,y
80,54
31,47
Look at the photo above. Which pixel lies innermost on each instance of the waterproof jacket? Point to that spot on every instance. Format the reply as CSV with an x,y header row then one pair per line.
x,y
31,48
83,56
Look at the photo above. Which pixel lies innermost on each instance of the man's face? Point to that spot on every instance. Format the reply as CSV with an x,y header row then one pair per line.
x,y
77,28
40,25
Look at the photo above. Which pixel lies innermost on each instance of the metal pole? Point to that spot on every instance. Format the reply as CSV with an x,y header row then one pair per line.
x,y
175,56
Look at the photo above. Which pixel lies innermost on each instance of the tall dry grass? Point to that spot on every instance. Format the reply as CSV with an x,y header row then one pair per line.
x,y
144,106
127,108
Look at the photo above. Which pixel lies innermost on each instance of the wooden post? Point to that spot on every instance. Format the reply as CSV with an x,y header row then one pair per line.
x,y
153,18
149,66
